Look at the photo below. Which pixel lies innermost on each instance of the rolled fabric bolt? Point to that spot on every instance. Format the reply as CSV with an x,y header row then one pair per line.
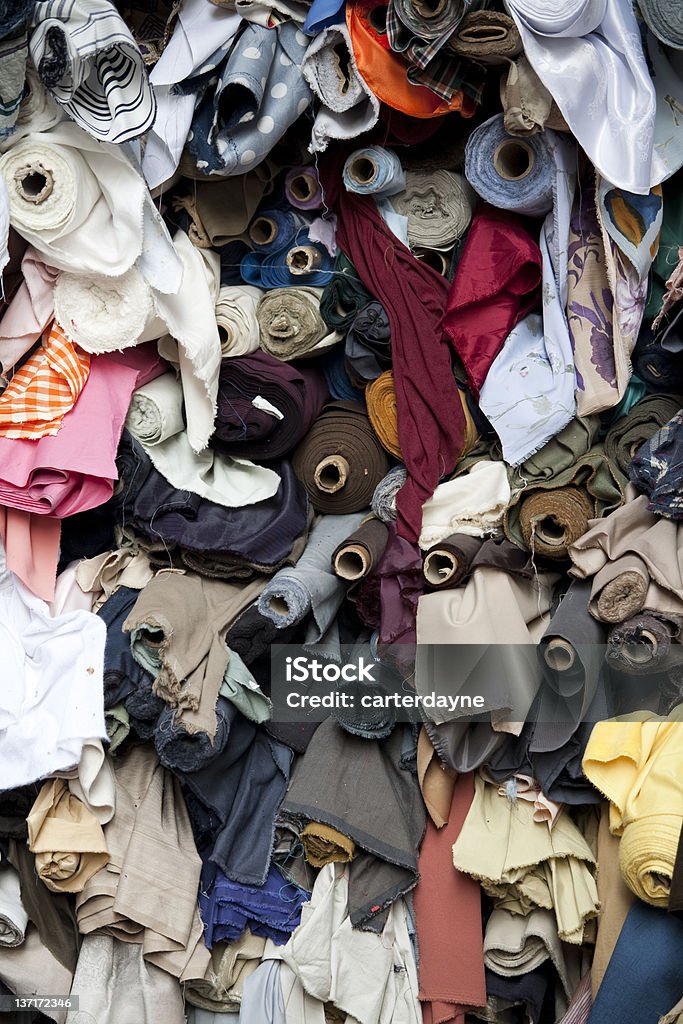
x,y
304,259
559,655
374,171
448,562
358,555
438,261
325,845
302,188
380,398
384,497
490,37
275,229
290,323
236,319
439,206
645,643
263,231
551,521
439,567
514,159
103,314
620,589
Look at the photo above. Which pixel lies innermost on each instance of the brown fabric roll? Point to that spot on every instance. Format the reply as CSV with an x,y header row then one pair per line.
x,y
341,461
220,211
490,37
620,589
449,561
359,554
326,845
380,397
551,520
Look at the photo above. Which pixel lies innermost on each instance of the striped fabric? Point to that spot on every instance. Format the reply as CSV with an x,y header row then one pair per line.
x,y
44,389
90,62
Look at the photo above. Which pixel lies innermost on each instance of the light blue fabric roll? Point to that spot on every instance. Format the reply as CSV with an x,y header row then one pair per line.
x,y
374,171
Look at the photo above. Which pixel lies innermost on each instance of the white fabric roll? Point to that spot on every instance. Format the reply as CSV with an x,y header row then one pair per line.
x,y
156,410
13,917
236,318
103,314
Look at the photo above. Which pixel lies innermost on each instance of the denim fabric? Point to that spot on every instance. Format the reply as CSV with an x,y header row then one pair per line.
x,y
272,910
272,269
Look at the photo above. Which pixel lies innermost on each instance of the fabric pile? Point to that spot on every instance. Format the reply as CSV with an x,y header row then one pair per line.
x,y
335,333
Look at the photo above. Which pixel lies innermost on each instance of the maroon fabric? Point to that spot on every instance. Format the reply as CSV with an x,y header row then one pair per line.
x,y
431,423
496,284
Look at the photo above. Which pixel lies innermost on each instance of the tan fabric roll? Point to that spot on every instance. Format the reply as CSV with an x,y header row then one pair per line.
x,y
325,845
620,589
551,521
66,838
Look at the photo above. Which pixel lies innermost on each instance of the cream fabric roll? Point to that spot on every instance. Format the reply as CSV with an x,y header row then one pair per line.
x,y
236,318
472,504
156,410
13,917
103,314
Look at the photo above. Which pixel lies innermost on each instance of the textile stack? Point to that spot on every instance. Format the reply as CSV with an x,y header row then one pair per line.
x,y
335,333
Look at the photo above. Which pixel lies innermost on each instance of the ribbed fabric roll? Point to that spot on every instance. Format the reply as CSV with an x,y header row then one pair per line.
x,y
290,323
340,461
344,297
238,327
645,643
642,422
374,171
156,410
310,585
302,188
367,348
551,520
620,589
358,555
103,314
447,562
265,406
429,21
509,172
489,37
439,206
380,398
384,496
13,916
88,59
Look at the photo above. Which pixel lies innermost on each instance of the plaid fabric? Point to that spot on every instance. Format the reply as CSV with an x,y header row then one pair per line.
x,y
44,389
444,74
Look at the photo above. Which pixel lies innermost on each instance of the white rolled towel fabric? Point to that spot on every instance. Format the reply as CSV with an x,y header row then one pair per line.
x,y
156,410
77,201
236,318
103,314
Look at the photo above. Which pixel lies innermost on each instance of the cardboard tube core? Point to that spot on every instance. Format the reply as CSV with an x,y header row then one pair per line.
x,y
263,231
331,474
559,655
439,567
514,159
34,183
352,563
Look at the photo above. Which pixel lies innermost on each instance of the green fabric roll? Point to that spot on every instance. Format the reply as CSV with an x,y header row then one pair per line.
x,y
344,296
642,422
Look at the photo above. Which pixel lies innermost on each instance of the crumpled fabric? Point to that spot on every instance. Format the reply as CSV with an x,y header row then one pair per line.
x,y
472,504
13,916
655,469
66,838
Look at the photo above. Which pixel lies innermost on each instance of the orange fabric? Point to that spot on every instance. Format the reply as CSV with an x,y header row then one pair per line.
x,y
45,388
448,921
385,72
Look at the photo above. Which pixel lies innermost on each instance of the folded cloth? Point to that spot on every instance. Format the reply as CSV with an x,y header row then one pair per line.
x,y
156,410
260,76
374,171
489,37
627,434
647,642
326,845
66,838
103,314
451,965
44,388
649,543
340,461
13,916
653,940
177,633
439,206
88,59
328,787
472,504
348,107
118,726
291,325
310,585
528,107
634,763
380,398
344,296
265,406
271,911
516,944
236,318
220,991
358,555
367,348
655,469
302,187
77,201
148,838
496,284
522,864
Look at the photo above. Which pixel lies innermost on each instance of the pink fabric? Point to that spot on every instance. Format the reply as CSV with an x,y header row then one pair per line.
x,y
30,311
31,545
75,469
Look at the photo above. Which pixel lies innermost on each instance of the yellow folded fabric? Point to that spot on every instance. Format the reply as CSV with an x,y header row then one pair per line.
x,y
66,838
325,845
380,397
638,765
522,864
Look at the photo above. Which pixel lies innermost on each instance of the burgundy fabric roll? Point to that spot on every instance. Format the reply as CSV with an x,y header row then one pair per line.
x,y
265,406
431,424
496,284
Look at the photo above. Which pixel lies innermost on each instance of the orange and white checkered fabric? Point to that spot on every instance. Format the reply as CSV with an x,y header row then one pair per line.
x,y
45,388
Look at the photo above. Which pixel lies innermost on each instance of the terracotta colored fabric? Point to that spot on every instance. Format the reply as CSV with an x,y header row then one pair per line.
x,y
496,284
431,424
451,967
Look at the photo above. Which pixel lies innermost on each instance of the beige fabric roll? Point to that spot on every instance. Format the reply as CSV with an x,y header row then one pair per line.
x,y
522,865
151,851
231,964
615,900
290,324
620,589
66,838
438,205
236,318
